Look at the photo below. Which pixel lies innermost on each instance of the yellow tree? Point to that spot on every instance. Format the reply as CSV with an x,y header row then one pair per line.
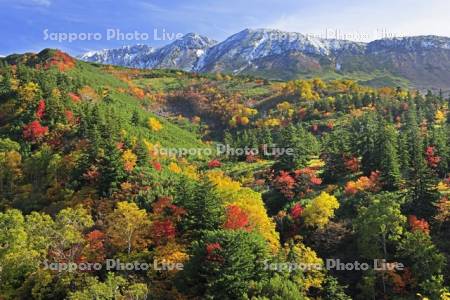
x,y
319,212
439,116
307,92
173,167
250,202
319,84
128,226
284,106
312,275
154,124
129,160
28,92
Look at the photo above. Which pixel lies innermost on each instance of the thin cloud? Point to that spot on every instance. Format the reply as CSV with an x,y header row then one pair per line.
x,y
27,3
41,2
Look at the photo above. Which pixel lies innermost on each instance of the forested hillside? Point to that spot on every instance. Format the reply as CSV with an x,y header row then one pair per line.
x,y
120,183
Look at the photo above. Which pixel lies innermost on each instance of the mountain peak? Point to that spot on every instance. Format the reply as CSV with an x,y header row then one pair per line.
x,y
194,40
411,43
128,56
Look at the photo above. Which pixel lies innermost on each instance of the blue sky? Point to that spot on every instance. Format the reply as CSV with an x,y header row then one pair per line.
x,y
25,24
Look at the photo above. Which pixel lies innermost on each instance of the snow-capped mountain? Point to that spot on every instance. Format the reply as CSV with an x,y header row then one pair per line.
x,y
414,43
248,49
278,54
181,54
241,50
128,56
199,53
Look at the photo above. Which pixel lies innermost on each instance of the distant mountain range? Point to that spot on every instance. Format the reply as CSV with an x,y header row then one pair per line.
x,y
419,62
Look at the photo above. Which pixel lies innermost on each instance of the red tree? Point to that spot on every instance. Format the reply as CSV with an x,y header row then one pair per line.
x,y
74,97
34,131
40,111
297,183
296,211
352,164
432,159
285,183
418,224
164,207
157,166
163,230
95,249
215,163
236,218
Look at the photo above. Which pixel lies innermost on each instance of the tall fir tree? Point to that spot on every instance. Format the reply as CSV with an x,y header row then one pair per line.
x,y
135,119
422,183
204,210
388,163
336,146
439,140
403,153
302,144
111,169
366,139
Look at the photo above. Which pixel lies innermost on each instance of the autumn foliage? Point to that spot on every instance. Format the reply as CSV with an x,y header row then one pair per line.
x,y
74,97
62,61
431,157
352,164
40,111
297,183
34,131
164,218
82,180
363,183
236,218
296,210
418,224
212,252
215,163
95,248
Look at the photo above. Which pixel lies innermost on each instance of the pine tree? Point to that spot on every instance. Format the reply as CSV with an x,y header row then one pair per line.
x,y
204,210
333,290
252,139
403,153
111,165
142,153
388,163
111,170
367,137
336,146
265,137
223,264
55,110
5,84
228,139
422,182
135,119
303,145
439,141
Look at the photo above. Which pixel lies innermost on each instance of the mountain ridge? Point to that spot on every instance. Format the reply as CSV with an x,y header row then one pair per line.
x,y
423,61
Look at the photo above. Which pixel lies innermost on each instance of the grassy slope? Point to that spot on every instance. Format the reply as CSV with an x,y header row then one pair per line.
x,y
124,105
